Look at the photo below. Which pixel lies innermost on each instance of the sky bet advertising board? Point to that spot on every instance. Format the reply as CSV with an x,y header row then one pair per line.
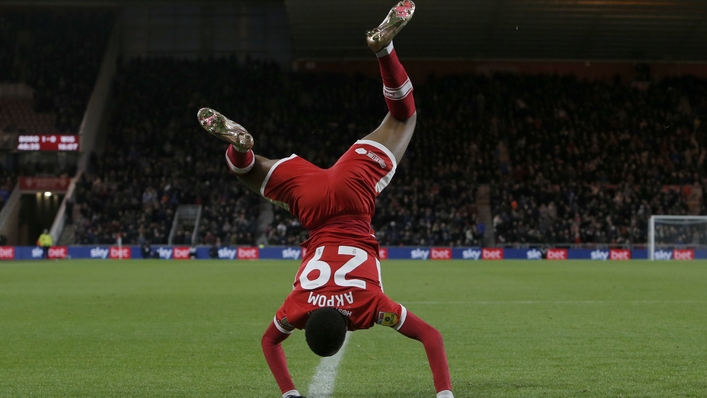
x,y
296,253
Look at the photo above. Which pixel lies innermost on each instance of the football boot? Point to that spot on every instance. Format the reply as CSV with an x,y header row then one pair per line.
x,y
398,17
222,127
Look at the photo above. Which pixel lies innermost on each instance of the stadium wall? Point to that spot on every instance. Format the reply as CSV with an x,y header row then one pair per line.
x,y
386,253
592,70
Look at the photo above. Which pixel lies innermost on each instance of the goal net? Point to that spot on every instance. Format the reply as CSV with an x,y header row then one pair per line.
x,y
666,233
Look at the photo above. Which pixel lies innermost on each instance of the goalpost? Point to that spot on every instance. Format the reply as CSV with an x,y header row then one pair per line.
x,y
676,232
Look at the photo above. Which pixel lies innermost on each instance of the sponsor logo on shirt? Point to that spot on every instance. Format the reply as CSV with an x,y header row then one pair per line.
x,y
373,156
387,319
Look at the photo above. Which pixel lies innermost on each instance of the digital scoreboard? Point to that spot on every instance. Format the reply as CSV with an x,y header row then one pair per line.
x,y
48,142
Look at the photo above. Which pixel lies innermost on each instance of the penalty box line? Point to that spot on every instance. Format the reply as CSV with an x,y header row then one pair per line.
x,y
322,385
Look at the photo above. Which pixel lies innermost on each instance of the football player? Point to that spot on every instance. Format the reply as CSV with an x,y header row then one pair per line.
x,y
338,285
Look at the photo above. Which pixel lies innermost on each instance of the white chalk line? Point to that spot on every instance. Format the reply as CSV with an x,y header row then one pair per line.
x,y
322,385
557,302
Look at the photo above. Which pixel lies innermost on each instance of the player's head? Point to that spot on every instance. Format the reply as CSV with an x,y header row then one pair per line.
x,y
325,331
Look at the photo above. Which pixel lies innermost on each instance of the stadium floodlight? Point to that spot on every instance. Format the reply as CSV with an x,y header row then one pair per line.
x,y
676,232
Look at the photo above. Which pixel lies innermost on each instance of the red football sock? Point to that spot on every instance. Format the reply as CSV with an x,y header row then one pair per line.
x,y
431,339
239,163
275,357
397,88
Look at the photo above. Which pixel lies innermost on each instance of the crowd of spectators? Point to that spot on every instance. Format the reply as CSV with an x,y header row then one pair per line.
x,y
580,213
568,161
157,157
589,161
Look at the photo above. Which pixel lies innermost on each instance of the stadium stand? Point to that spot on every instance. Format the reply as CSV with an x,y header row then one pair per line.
x,y
567,161
564,160
54,56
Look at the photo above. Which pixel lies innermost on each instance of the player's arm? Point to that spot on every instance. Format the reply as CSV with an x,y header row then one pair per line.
x,y
417,329
275,357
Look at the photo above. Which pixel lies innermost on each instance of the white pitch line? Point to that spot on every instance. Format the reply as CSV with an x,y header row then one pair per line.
x,y
322,385
558,302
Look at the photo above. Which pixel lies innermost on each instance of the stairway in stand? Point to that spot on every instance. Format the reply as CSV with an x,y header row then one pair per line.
x,y
483,215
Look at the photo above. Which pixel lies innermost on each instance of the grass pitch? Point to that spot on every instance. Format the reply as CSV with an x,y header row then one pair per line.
x,y
155,328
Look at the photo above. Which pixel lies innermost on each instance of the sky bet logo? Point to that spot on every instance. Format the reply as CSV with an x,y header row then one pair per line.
x,y
492,254
534,254
600,255
226,253
37,252
663,255
291,253
471,254
99,253
419,254
164,253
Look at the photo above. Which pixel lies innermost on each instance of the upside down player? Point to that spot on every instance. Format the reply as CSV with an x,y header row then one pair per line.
x,y
338,285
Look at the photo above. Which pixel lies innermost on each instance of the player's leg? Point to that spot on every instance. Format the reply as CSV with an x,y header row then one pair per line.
x,y
275,357
250,168
398,126
415,328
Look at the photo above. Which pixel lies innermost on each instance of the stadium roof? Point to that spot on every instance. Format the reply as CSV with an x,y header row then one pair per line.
x,y
556,29
636,30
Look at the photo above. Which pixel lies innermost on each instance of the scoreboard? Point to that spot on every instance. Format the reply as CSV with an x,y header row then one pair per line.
x,y
48,142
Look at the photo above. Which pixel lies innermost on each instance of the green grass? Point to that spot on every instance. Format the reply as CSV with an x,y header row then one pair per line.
x,y
156,328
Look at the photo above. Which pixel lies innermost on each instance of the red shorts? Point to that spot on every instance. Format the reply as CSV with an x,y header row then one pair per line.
x,y
363,308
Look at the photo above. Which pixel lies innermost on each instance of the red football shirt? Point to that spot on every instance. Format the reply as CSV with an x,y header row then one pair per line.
x,y
340,266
